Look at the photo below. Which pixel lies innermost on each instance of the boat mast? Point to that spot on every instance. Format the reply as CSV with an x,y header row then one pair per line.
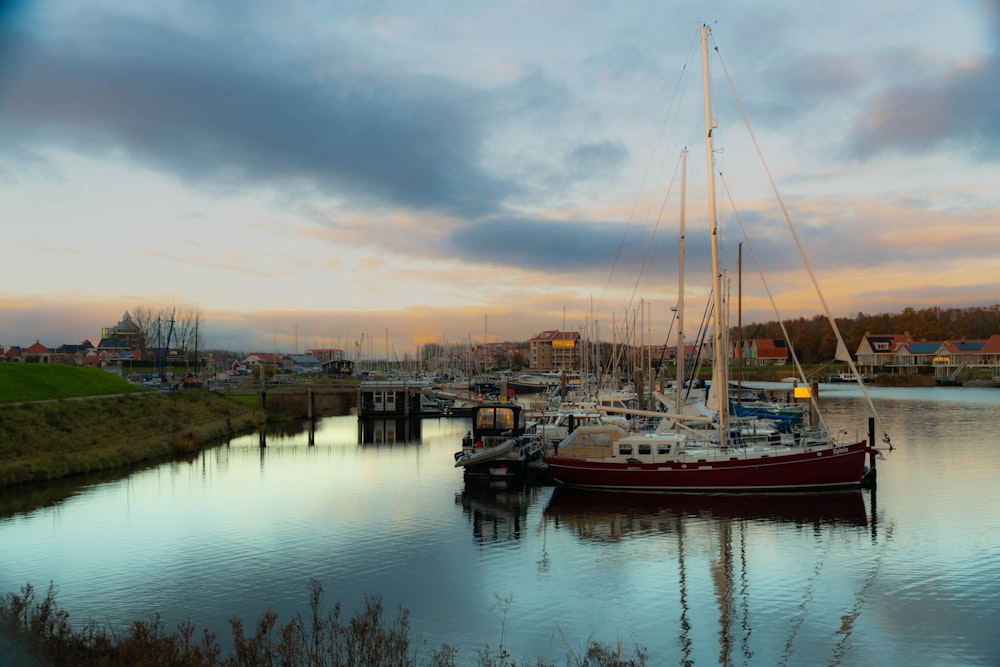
x,y
720,377
679,387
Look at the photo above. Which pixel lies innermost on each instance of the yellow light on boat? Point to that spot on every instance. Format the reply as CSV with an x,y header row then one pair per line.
x,y
802,392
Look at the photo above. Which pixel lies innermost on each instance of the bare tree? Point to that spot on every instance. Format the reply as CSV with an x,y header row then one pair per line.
x,y
145,318
155,326
184,327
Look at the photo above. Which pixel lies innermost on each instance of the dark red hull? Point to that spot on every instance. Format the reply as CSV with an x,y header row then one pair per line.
x,y
841,467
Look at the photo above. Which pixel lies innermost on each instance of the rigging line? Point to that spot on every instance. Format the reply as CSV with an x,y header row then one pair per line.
x,y
770,296
644,264
798,243
693,363
666,342
674,112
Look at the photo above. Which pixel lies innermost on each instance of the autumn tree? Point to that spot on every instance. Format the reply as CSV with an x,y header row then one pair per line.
x,y
814,341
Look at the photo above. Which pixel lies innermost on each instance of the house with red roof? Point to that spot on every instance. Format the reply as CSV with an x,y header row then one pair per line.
x,y
765,352
990,351
36,353
899,353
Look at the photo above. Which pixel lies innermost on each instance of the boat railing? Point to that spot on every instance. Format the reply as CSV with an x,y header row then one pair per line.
x,y
812,436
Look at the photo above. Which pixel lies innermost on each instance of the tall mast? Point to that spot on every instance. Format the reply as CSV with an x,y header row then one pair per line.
x,y
679,388
720,377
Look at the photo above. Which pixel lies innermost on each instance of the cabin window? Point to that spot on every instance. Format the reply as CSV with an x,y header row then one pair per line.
x,y
502,418
625,450
645,449
601,440
663,449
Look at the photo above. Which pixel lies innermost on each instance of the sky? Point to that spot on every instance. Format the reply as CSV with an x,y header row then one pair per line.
x,y
382,175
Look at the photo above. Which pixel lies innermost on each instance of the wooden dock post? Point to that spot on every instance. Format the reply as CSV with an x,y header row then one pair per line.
x,y
871,477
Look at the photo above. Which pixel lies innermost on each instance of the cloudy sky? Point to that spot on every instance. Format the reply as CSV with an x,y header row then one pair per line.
x,y
311,173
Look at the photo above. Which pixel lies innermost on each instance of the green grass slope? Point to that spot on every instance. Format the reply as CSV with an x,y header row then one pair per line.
x,y
46,434
40,382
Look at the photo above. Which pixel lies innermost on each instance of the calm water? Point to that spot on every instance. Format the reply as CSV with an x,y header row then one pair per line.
x,y
909,574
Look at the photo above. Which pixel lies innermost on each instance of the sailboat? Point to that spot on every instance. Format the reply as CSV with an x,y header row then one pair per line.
x,y
712,450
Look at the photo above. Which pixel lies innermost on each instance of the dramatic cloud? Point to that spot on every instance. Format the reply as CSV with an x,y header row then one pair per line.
x,y
356,166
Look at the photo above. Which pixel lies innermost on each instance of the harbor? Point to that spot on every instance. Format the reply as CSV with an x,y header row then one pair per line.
x,y
843,578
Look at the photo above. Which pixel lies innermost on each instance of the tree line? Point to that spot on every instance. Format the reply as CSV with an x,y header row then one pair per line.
x,y
814,341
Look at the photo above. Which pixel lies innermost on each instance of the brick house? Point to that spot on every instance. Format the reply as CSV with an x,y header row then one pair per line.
x,y
554,351
38,354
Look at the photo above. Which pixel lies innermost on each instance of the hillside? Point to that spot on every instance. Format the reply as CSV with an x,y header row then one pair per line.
x,y
40,382
45,434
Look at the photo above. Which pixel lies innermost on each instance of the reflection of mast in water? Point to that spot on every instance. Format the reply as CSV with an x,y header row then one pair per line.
x,y
848,620
722,578
807,597
744,593
731,601
543,562
600,517
685,638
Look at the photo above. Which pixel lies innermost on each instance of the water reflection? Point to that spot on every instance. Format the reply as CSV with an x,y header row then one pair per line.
x,y
389,431
496,515
715,546
606,516
26,498
819,578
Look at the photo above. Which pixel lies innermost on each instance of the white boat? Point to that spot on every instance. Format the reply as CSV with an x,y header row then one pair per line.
x,y
849,377
552,426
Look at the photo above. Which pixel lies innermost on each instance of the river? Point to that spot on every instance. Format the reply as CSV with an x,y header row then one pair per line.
x,y
906,574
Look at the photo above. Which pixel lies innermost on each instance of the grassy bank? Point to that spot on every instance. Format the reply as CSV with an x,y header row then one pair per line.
x,y
43,382
52,436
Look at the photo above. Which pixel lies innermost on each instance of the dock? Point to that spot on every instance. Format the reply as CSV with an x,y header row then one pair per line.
x,y
411,399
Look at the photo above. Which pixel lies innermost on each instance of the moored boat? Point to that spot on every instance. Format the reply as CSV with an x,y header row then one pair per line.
x,y
608,457
500,450
849,377
535,383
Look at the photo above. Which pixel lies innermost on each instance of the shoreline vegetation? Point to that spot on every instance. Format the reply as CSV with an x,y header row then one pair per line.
x,y
36,632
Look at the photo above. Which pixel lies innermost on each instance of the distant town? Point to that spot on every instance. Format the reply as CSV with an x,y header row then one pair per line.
x,y
150,346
